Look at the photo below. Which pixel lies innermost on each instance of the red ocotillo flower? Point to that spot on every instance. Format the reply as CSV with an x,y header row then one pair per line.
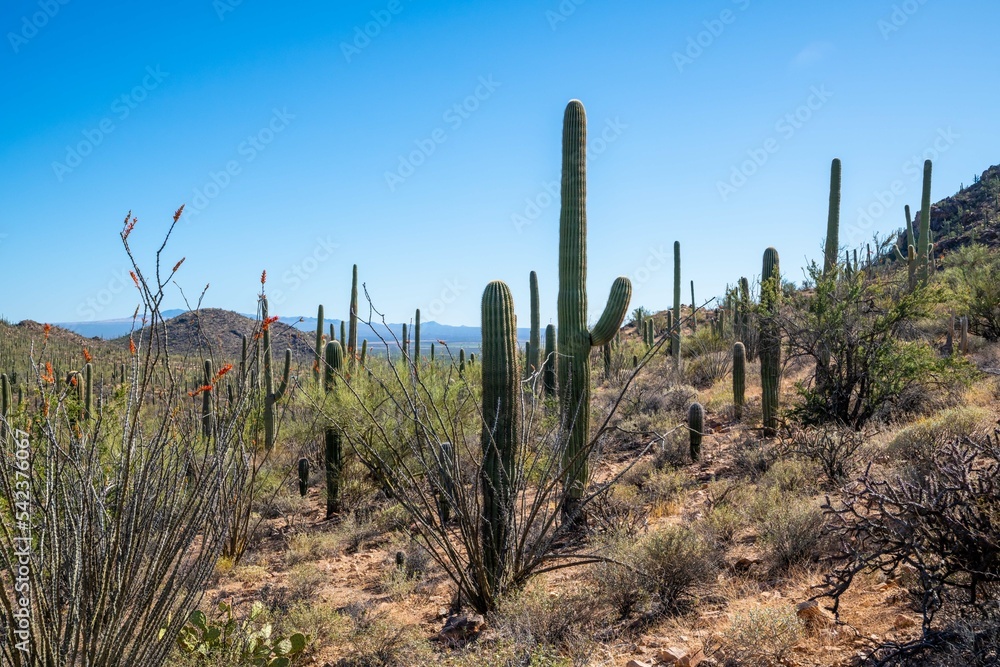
x,y
222,371
263,276
135,278
199,390
178,265
47,328
177,213
131,345
87,356
129,224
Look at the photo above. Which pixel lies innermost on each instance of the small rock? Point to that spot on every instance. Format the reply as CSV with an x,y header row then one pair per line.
x,y
638,663
902,621
460,627
814,616
670,656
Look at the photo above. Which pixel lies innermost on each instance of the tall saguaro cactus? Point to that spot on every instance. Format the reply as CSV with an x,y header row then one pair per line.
x,y
271,394
575,339
675,333
5,404
924,241
501,427
739,378
333,451
352,329
535,333
770,340
206,401
549,364
416,340
832,248
318,362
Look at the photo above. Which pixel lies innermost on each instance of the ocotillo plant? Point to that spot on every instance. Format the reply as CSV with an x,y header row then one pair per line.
x,y
5,404
303,476
271,394
501,427
694,310
770,340
832,248
696,428
352,330
333,451
739,378
575,340
88,391
318,361
924,241
675,329
206,401
405,342
549,363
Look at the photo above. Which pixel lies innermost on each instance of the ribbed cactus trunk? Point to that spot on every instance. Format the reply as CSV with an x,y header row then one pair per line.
x,y
416,341
271,394
405,345
575,339
770,340
343,334
832,248
739,378
549,363
5,406
352,329
535,333
675,330
696,429
333,451
88,391
924,241
303,476
318,362
461,362
501,430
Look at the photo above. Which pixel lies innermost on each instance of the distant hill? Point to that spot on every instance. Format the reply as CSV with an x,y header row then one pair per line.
x,y
109,329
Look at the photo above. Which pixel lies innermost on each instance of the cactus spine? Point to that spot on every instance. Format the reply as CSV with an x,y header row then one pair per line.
x,y
318,362
549,364
352,330
271,394
696,428
575,340
739,378
501,426
535,333
832,248
924,241
770,341
675,340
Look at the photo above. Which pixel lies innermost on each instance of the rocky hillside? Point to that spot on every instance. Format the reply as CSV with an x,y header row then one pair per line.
x,y
971,215
194,333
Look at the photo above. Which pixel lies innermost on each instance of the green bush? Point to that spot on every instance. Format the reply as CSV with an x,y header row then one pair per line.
x,y
229,640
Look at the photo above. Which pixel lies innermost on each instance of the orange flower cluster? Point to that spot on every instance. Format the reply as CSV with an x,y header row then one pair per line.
x,y
135,278
129,225
48,376
199,390
177,213
263,276
178,264
265,326
47,328
72,380
131,345
222,371
87,356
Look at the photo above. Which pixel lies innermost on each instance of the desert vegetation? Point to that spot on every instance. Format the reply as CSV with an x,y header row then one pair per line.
x,y
786,475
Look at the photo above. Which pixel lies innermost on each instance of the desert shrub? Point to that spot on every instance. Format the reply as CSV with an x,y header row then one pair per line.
x,y
914,446
754,457
675,560
547,629
834,448
673,449
303,580
675,399
619,513
943,526
972,272
375,641
760,637
791,527
857,330
310,546
791,476
709,358
229,639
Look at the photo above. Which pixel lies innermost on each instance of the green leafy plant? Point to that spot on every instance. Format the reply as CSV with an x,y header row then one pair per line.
x,y
248,641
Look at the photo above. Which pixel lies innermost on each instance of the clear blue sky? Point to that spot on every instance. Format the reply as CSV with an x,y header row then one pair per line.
x,y
278,124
